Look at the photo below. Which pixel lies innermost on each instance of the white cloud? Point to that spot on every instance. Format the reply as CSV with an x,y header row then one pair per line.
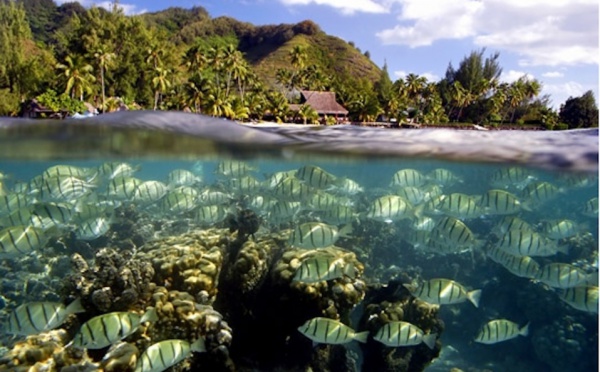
x,y
513,75
129,9
540,32
553,74
346,6
561,92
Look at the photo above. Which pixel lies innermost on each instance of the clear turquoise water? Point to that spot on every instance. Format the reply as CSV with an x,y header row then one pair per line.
x,y
560,336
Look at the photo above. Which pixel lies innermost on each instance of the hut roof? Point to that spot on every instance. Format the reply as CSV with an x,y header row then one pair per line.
x,y
322,102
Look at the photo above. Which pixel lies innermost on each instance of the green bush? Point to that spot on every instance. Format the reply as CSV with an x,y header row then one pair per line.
x,y
60,102
9,103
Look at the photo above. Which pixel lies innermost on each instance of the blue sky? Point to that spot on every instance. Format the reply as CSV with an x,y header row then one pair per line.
x,y
554,41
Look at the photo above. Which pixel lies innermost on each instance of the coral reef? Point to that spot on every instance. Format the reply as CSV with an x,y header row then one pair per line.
x,y
116,281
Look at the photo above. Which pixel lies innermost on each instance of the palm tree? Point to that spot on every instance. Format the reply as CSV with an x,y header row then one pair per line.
x,y
195,59
104,60
516,95
161,83
218,104
306,112
78,76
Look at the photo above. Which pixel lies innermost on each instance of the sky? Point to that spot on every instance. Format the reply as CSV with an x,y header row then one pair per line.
x,y
553,41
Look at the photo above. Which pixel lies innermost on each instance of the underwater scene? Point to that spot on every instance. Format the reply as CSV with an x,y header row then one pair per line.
x,y
308,263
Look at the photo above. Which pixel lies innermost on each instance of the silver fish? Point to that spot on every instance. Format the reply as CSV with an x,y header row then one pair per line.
x,y
500,202
164,354
17,241
312,235
562,275
106,329
584,298
93,228
332,332
320,268
499,330
182,177
389,208
315,176
35,317
444,292
408,177
399,333
150,192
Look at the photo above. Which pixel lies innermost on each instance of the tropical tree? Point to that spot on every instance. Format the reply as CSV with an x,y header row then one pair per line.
x,y
218,104
77,76
580,112
161,83
307,113
104,60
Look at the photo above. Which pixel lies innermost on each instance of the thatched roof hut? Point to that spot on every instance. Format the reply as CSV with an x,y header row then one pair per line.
x,y
323,103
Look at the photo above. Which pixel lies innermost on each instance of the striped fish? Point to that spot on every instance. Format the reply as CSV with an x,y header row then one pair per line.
x,y
35,317
164,354
12,202
312,235
499,330
321,200
49,216
122,187
210,214
408,177
212,197
338,215
389,208
443,177
244,185
500,202
332,332
559,229
444,292
399,333
590,208
458,205
527,243
85,174
182,177
233,168
584,298
322,268
93,228
177,202
522,266
511,178
260,203
345,186
17,241
150,192
275,179
315,176
562,275
21,216
63,189
411,193
454,232
106,329
538,193
283,211
423,223
292,189
115,169
508,223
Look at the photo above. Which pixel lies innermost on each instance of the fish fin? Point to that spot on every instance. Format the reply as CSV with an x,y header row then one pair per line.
x,y
75,307
361,336
350,271
562,248
198,346
412,287
474,297
418,210
346,231
592,279
429,340
149,316
525,330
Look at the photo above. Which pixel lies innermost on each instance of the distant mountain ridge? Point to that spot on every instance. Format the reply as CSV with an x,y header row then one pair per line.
x,y
266,47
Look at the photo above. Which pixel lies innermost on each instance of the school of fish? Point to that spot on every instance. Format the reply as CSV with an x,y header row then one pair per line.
x,y
317,208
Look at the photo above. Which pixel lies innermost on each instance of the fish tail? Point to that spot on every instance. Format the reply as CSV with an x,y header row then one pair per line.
x,y
346,231
198,346
525,330
361,336
75,307
429,340
474,297
150,316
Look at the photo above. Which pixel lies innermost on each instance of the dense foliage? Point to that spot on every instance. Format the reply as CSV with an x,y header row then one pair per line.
x,y
184,59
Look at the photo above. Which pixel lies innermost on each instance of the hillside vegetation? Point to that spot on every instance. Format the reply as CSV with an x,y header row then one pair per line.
x,y
183,59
